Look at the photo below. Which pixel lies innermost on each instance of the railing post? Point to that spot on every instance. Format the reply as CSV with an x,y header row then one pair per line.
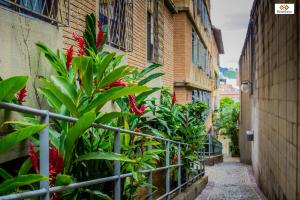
x,y
150,181
44,155
209,144
187,170
117,167
179,167
168,170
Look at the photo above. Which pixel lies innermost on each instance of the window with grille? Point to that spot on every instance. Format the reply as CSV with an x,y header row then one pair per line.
x,y
199,52
52,11
118,16
155,24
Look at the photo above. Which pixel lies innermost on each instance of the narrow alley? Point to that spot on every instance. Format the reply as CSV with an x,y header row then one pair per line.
x,y
230,180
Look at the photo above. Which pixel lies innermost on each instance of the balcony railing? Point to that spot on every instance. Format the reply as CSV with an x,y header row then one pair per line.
x,y
212,147
44,191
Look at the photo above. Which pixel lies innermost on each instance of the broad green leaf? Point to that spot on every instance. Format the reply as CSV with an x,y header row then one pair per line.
x,y
115,75
103,65
141,97
87,79
51,98
104,156
107,117
74,133
150,78
63,179
8,141
80,63
54,60
26,166
112,94
65,86
9,87
65,99
4,174
97,194
148,69
22,180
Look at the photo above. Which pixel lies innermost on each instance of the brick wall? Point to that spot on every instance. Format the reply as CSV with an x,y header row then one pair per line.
x,y
78,10
274,110
168,66
138,57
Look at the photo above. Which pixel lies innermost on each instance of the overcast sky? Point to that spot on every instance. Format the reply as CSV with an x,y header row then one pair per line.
x,y
232,17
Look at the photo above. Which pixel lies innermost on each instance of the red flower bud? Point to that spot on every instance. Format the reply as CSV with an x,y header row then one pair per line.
x,y
173,98
118,83
34,158
134,107
80,43
186,121
21,95
69,57
100,36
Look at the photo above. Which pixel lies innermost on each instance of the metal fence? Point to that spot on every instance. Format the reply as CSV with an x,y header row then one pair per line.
x,y
45,191
212,147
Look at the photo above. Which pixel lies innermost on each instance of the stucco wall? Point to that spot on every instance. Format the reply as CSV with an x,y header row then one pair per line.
x,y
18,53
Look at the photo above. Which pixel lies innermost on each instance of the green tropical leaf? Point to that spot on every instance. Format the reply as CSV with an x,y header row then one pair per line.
x,y
65,99
53,101
112,94
63,179
9,87
150,78
8,141
107,117
22,180
74,133
97,194
104,156
55,61
148,69
65,86
103,65
26,166
4,174
141,97
115,75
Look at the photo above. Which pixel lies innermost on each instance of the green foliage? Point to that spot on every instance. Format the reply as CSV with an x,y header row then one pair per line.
x,y
9,87
227,121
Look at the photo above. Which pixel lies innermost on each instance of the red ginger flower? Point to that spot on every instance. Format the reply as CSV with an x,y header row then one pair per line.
x,y
100,36
118,83
56,163
81,44
134,107
173,98
21,95
69,57
34,158
186,121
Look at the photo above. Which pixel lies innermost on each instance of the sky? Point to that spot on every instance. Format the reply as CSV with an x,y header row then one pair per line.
x,y
232,17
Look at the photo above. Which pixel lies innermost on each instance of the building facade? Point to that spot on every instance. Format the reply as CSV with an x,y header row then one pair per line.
x,y
270,107
177,34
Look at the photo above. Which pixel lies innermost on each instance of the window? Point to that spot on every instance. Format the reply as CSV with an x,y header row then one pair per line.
x,y
118,16
52,11
199,52
155,28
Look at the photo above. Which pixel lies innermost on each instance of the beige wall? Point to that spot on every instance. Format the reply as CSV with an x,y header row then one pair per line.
x,y
274,110
18,53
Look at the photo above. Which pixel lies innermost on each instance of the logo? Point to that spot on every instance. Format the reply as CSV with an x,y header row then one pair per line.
x,y
284,9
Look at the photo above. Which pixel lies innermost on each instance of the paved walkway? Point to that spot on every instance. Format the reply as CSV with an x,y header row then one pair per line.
x,y
230,180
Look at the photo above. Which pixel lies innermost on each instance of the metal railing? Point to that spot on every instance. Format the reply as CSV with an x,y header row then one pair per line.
x,y
212,147
44,191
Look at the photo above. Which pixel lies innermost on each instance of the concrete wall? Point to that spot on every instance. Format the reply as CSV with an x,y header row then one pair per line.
x,y
272,109
18,53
